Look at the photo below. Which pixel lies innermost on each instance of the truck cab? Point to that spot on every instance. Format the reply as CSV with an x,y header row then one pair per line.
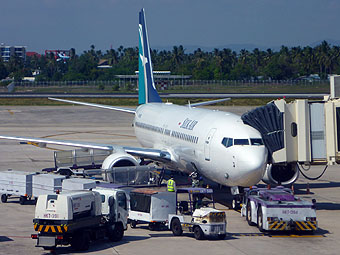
x,y
114,205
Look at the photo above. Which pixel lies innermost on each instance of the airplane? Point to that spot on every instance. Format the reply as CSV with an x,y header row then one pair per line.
x,y
214,144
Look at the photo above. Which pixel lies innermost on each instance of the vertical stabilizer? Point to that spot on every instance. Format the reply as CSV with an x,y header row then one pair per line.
x,y
147,90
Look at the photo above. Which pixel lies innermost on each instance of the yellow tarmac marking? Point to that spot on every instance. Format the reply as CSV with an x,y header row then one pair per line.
x,y
297,236
10,111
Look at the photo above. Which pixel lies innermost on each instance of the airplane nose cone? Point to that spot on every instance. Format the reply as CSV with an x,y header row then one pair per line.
x,y
252,165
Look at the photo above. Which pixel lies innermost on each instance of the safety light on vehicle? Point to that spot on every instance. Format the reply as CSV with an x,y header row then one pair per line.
x,y
60,237
310,218
34,236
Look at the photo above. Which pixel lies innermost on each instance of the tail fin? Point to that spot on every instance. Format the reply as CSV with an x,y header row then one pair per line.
x,y
147,90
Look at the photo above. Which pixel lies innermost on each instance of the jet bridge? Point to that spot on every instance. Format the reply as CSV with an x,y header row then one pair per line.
x,y
303,131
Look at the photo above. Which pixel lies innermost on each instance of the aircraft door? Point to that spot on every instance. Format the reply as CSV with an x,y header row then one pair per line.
x,y
207,144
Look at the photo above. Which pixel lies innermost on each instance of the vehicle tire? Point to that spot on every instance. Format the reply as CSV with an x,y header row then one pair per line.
x,y
116,234
260,219
221,236
133,224
80,241
3,198
22,200
198,233
176,227
248,215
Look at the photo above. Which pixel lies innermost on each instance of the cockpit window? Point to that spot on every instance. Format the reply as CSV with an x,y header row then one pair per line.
x,y
241,142
227,142
256,141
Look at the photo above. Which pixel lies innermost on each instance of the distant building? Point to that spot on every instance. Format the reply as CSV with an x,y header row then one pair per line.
x,y
103,64
6,52
163,79
32,53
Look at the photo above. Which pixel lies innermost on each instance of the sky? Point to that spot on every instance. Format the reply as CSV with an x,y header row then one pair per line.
x,y
65,24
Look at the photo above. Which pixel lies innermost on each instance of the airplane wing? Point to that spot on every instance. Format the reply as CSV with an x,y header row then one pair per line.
x,y
154,154
209,102
122,109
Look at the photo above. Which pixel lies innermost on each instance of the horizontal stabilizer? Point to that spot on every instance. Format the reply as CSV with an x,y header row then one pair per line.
x,y
115,108
209,102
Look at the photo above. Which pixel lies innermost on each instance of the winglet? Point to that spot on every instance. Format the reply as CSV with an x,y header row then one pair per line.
x,y
146,91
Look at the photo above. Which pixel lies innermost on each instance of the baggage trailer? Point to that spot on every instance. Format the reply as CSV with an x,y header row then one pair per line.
x,y
78,184
151,207
277,209
196,213
16,183
46,184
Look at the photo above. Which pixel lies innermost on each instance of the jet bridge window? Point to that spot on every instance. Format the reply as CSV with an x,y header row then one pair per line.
x,y
227,142
241,142
256,141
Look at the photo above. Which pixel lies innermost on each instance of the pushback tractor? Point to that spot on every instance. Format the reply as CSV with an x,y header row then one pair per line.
x,y
277,209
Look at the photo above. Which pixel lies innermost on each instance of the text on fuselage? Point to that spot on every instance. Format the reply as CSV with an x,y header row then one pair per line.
x,y
188,124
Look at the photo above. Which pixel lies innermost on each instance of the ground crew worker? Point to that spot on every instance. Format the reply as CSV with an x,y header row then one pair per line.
x,y
171,184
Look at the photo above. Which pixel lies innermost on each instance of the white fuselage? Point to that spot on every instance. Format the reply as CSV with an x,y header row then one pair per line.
x,y
193,137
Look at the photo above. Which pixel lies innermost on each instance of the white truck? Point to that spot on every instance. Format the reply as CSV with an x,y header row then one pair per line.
x,y
277,209
78,217
194,214
152,207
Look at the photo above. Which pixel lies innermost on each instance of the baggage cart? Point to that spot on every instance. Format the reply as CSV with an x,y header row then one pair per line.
x,y
151,207
16,183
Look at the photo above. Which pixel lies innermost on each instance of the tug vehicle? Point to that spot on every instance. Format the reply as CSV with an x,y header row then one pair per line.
x,y
277,209
196,213
79,217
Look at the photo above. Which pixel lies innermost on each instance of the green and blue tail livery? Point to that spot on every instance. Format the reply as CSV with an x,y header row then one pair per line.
x,y
147,92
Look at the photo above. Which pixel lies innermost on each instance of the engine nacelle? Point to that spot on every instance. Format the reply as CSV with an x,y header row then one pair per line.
x,y
117,159
281,174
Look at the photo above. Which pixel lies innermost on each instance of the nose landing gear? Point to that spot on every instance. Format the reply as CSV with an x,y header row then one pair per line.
x,y
237,198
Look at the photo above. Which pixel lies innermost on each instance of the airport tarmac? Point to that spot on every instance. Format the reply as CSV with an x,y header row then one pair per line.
x,y
99,125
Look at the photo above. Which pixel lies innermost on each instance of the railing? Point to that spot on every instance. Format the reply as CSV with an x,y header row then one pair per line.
x,y
174,85
173,82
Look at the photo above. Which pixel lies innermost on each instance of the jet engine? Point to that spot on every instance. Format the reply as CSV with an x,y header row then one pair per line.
x,y
116,165
281,174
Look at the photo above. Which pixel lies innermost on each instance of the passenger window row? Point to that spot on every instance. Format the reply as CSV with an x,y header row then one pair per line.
x,y
179,135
